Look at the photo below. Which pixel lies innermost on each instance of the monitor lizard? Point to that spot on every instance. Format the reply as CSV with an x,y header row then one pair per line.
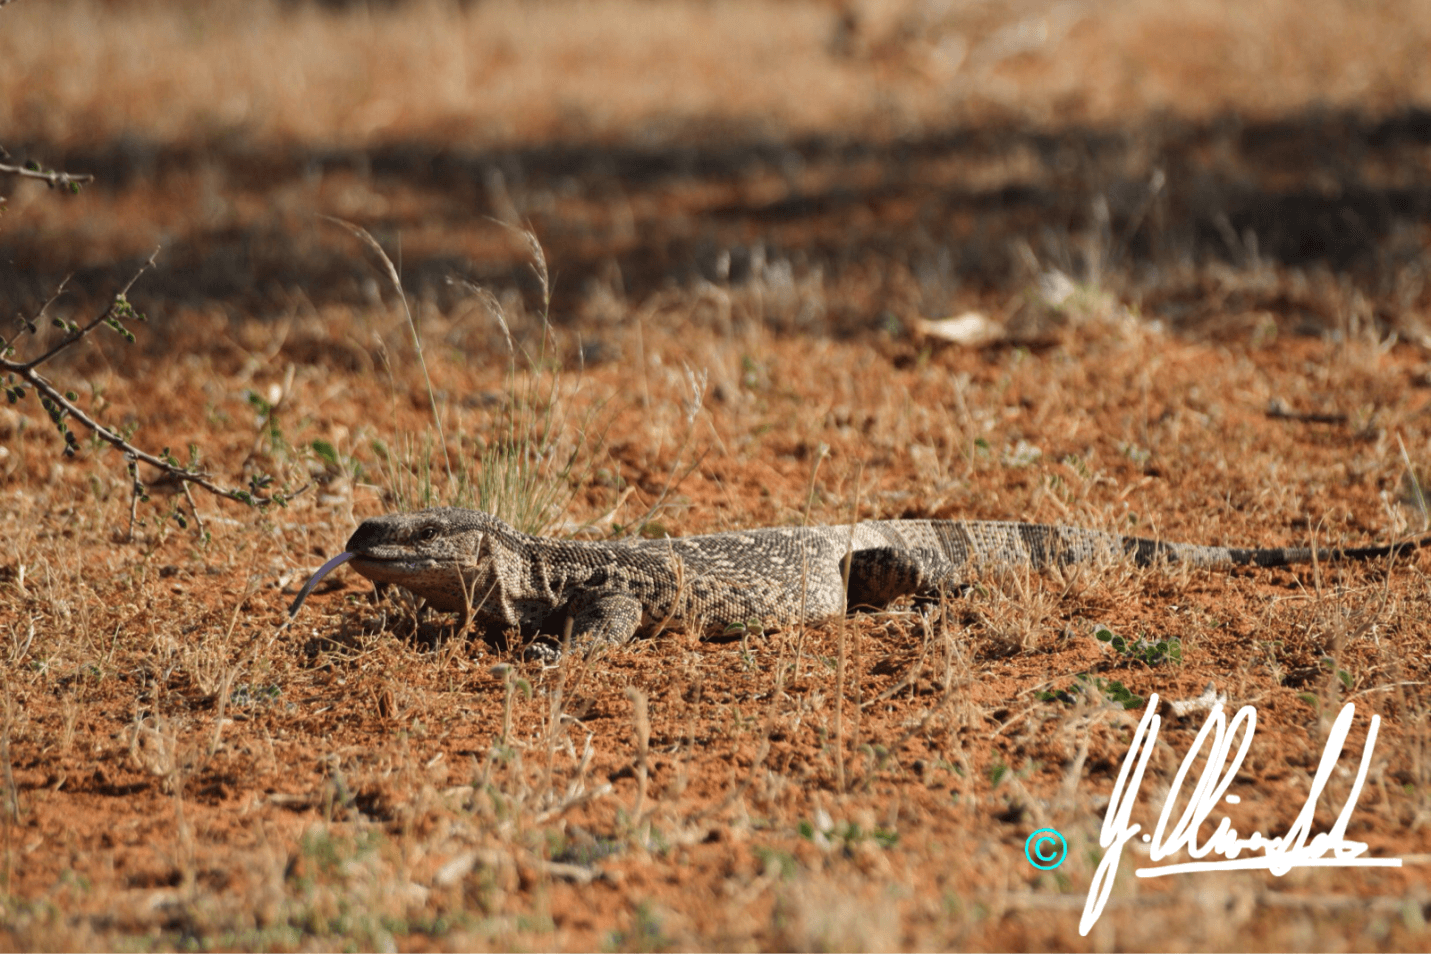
x,y
470,562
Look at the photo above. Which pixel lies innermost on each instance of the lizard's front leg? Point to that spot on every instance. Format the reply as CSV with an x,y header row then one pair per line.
x,y
594,618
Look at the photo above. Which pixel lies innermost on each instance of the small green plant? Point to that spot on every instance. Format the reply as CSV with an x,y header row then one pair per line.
x,y
1138,455
1078,465
1344,677
1145,651
844,834
1120,694
776,860
1110,689
745,628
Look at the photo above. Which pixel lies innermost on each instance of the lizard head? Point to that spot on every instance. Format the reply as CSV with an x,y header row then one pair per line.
x,y
428,551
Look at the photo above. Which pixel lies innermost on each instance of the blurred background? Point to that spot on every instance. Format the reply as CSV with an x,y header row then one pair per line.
x,y
1216,164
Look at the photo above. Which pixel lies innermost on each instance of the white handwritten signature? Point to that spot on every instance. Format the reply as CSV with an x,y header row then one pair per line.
x,y
1279,855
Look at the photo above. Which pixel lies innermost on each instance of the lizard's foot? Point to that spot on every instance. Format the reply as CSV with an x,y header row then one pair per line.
x,y
542,651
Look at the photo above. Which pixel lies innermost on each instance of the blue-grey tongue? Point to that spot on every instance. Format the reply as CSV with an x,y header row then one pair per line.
x,y
313,581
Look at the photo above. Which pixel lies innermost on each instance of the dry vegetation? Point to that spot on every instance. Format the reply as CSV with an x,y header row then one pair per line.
x,y
1205,254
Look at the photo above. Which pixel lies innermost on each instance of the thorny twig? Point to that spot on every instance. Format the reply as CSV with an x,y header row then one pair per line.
x,y
118,307
59,406
69,181
55,179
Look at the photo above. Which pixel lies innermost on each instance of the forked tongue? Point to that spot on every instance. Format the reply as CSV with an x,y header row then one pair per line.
x,y
313,581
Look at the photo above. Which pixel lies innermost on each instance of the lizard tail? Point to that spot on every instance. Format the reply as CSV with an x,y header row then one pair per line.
x,y
1146,552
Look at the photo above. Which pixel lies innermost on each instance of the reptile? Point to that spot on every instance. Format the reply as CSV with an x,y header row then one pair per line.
x,y
470,562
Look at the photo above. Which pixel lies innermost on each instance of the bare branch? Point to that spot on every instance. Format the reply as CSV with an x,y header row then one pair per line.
x,y
169,466
69,181
59,406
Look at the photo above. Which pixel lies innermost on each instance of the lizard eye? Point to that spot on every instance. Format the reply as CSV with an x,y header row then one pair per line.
x,y
425,534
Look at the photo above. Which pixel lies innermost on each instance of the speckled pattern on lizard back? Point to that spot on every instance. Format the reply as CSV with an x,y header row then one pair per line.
x,y
469,562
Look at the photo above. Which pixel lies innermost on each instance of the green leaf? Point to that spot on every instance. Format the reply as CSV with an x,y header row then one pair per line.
x,y
326,452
